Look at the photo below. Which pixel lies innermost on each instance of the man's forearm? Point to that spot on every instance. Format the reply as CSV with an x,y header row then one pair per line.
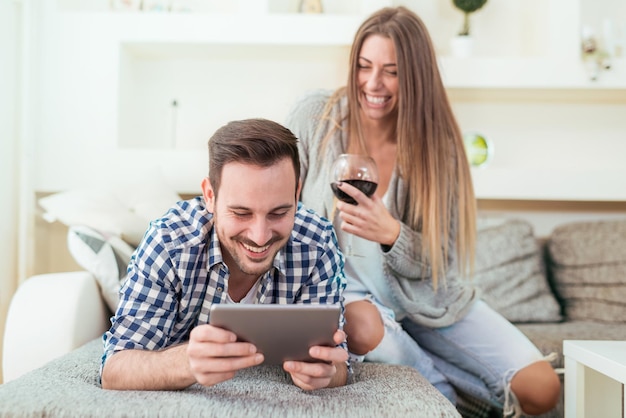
x,y
148,370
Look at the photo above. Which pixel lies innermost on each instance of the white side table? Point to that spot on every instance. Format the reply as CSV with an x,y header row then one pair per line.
x,y
595,373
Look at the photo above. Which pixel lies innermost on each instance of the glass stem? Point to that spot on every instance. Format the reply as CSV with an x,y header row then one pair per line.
x,y
349,246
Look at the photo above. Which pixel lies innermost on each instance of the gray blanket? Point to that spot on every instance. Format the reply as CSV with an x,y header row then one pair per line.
x,y
68,387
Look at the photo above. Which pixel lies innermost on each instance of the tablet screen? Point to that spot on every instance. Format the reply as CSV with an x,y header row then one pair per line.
x,y
280,332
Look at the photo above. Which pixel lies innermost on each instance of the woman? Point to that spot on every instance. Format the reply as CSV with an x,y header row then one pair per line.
x,y
407,301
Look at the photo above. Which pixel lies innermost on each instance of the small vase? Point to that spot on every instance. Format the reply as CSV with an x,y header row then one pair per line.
x,y
462,46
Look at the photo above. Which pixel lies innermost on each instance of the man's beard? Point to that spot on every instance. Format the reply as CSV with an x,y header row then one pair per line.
x,y
249,266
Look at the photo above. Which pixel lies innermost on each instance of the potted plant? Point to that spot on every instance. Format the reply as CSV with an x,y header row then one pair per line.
x,y
467,7
462,44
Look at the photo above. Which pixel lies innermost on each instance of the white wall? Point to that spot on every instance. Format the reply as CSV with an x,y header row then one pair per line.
x,y
9,81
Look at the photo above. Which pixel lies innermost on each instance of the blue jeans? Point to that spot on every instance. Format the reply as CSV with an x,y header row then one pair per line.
x,y
478,355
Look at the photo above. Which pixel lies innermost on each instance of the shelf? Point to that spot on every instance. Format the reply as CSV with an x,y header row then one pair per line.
x,y
558,184
528,73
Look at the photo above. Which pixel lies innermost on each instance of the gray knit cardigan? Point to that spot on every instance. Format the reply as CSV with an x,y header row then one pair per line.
x,y
405,271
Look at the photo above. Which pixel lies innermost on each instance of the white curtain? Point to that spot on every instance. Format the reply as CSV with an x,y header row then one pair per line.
x,y
9,155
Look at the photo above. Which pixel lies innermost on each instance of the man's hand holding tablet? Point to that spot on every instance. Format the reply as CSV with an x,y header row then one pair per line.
x,y
303,338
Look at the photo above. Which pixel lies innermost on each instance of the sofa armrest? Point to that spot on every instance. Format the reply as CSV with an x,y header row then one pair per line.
x,y
51,315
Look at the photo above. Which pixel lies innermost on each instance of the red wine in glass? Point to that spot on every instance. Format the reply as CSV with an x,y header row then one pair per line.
x,y
366,186
361,172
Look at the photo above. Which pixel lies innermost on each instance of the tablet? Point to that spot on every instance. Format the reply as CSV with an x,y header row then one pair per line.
x,y
280,332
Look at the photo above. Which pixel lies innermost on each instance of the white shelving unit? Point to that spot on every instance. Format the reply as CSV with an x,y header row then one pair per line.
x,y
122,72
111,80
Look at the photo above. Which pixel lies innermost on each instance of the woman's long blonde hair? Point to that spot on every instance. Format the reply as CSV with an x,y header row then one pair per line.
x,y
430,153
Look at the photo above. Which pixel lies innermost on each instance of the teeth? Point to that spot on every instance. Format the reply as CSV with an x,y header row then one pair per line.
x,y
375,99
256,249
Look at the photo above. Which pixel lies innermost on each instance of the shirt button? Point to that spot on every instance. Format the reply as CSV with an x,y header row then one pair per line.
x,y
220,289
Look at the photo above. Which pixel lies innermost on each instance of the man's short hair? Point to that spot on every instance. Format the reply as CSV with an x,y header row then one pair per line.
x,y
259,142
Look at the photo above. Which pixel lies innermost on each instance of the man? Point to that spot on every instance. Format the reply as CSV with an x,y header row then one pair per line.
x,y
247,241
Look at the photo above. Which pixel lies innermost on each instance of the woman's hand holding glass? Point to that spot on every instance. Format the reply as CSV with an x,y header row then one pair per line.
x,y
359,171
354,182
369,218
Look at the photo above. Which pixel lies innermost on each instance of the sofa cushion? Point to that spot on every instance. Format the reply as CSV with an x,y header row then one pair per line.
x,y
510,272
69,387
105,256
588,266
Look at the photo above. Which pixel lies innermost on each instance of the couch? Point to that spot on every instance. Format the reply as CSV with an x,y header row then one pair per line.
x,y
52,357
569,286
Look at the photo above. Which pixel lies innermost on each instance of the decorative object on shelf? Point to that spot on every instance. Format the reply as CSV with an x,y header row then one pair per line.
x,y
595,57
311,6
156,5
468,7
478,148
462,44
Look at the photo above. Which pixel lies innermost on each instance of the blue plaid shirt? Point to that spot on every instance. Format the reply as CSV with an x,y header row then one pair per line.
x,y
178,272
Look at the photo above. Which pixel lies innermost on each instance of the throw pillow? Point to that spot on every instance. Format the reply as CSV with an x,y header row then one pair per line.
x,y
98,209
589,243
588,264
510,275
106,257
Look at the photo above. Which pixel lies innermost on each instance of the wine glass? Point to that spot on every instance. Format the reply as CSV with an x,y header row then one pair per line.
x,y
359,171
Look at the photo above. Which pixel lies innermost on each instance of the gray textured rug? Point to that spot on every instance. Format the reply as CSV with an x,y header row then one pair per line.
x,y
68,387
